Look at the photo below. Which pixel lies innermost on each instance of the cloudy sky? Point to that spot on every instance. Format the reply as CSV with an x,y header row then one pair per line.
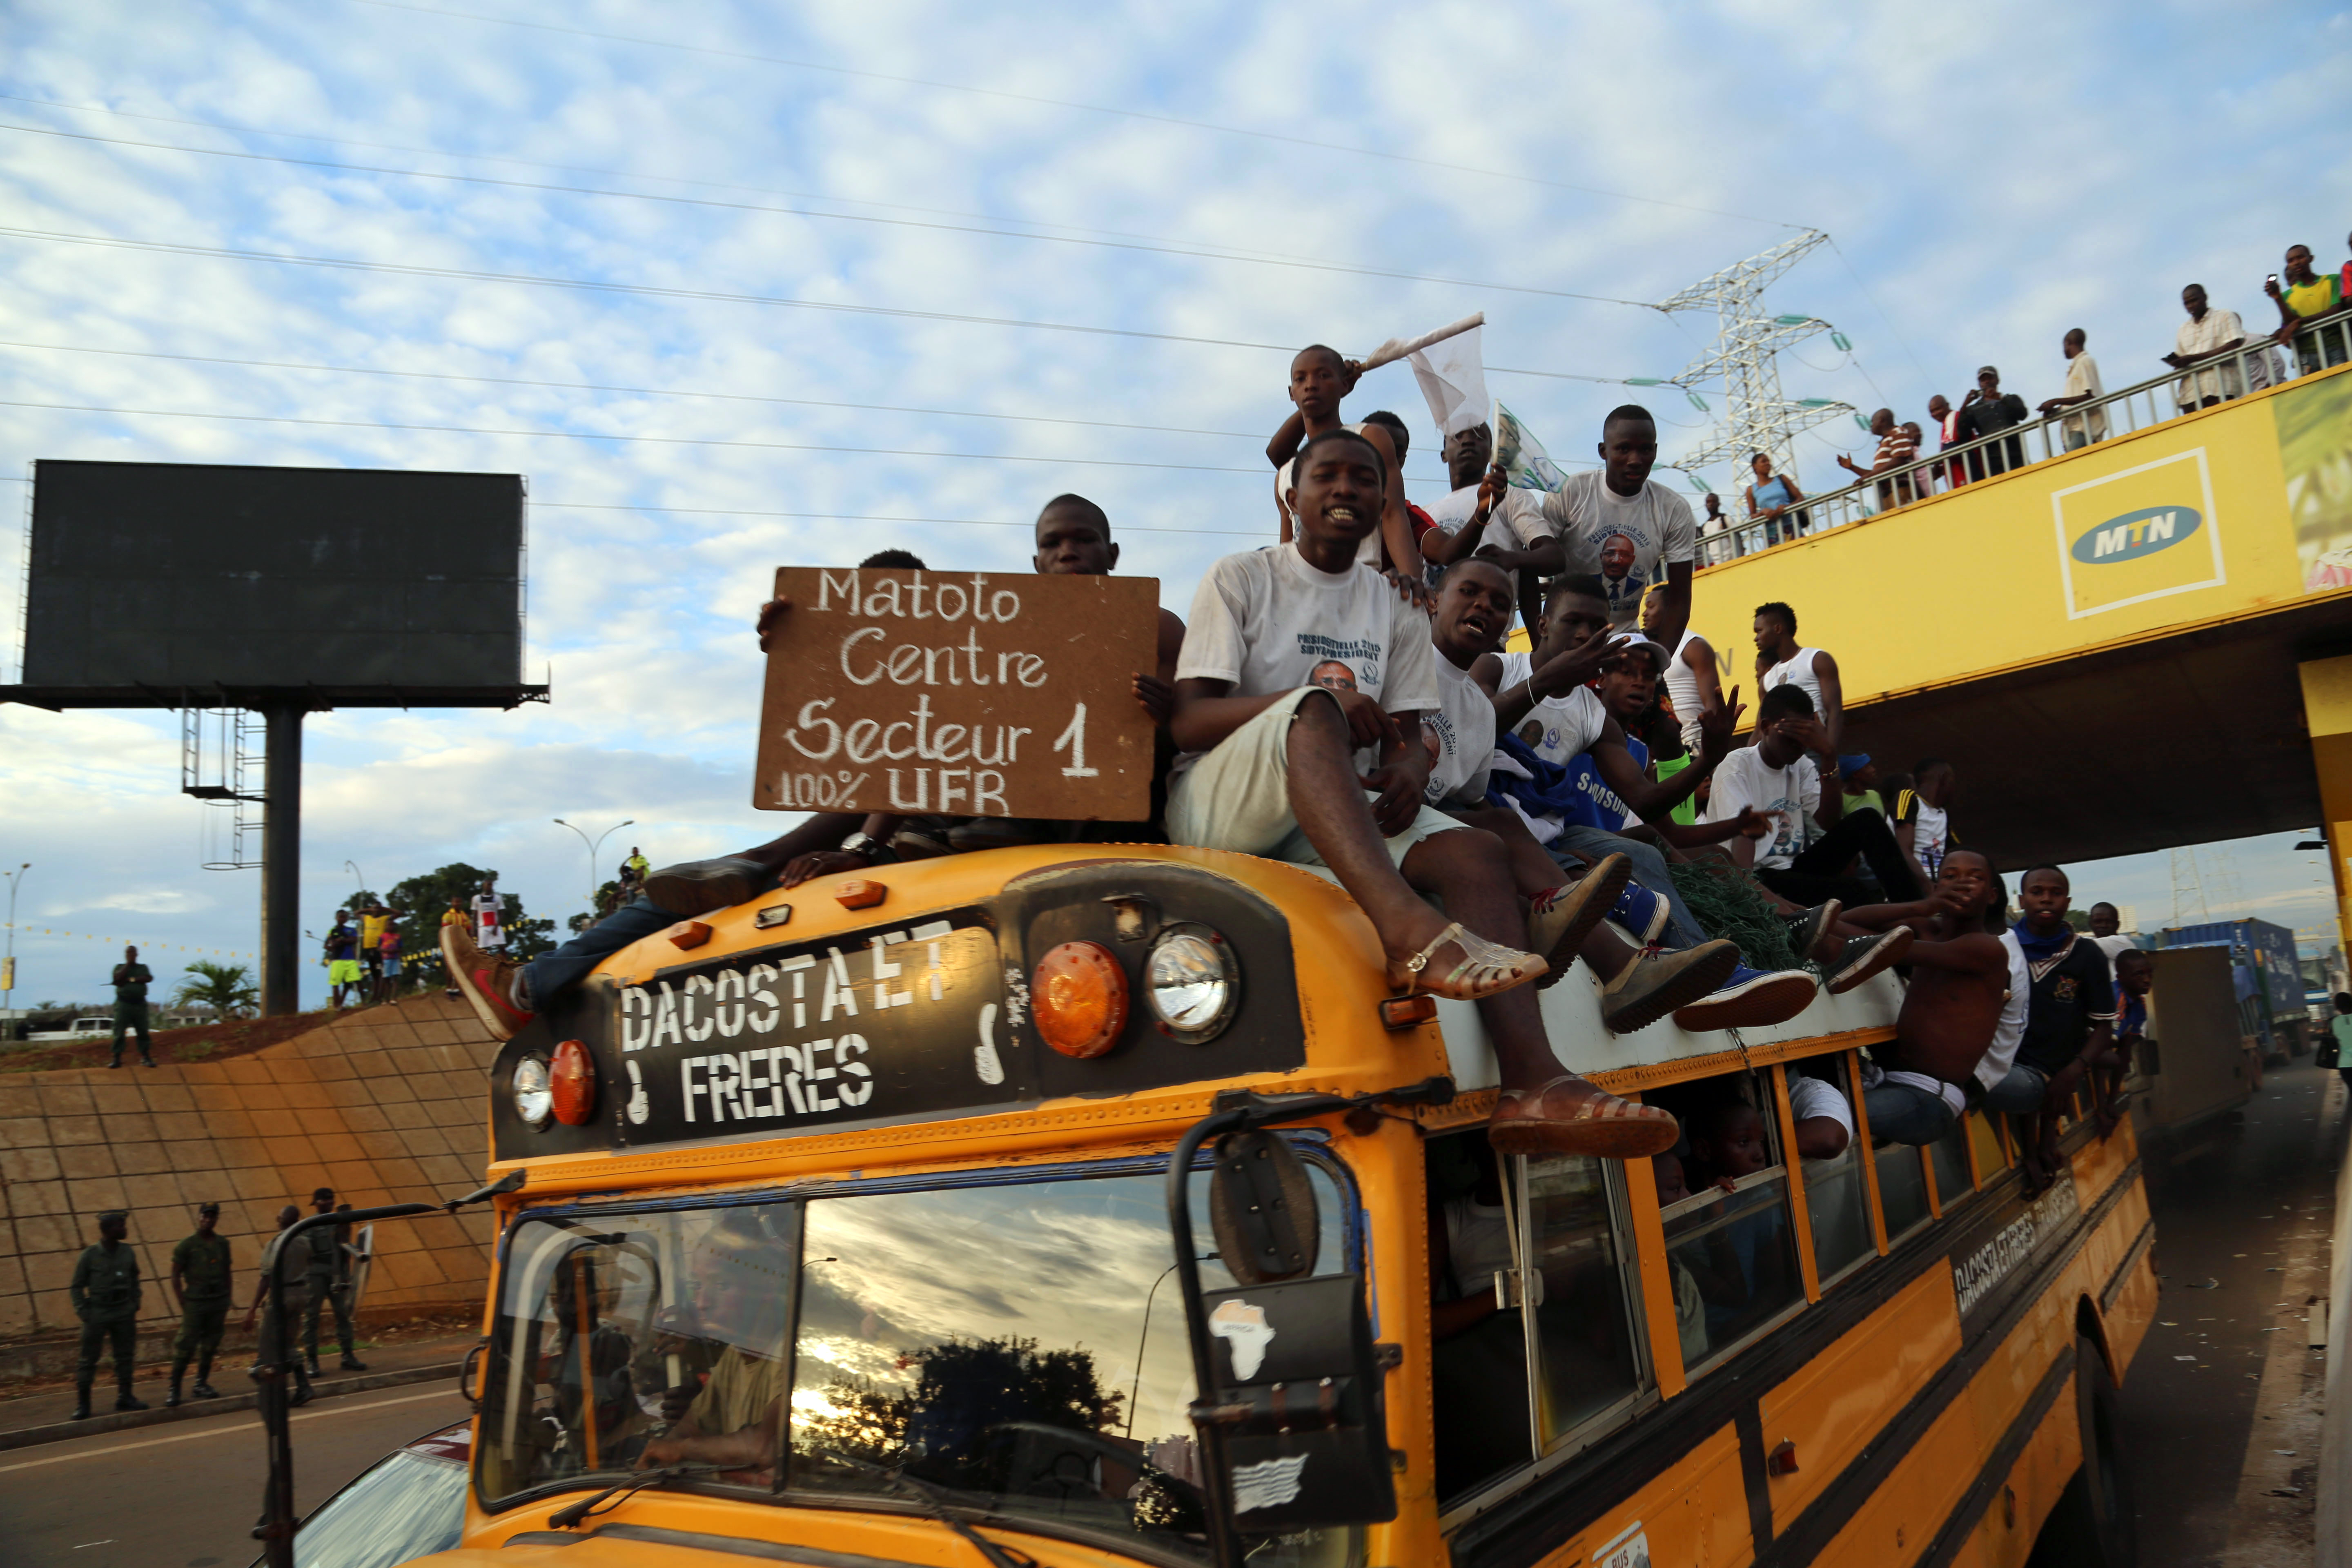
x,y
736,286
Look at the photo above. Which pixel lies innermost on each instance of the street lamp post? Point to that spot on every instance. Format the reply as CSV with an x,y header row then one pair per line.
x,y
8,964
592,845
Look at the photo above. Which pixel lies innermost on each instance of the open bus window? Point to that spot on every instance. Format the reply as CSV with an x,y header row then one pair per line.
x,y
1730,1242
1949,1156
1902,1189
1837,1200
618,1331
1505,1235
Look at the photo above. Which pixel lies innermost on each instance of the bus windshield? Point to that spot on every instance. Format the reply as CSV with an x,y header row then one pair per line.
x,y
1011,1345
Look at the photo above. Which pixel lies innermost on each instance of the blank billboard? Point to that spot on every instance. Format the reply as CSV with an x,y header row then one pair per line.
x,y
181,576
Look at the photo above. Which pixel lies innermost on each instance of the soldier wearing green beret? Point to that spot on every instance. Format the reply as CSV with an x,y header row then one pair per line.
x,y
105,1294
201,1280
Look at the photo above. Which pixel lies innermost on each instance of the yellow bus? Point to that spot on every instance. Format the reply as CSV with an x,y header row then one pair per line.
x,y
825,1254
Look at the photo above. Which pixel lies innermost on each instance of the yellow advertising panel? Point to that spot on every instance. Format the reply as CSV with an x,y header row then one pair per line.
x,y
2218,513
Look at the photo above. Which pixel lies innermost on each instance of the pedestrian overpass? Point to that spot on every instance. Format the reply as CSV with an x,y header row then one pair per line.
x,y
2143,643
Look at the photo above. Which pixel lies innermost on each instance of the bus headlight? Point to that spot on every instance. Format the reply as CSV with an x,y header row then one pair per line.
x,y
534,1094
1192,983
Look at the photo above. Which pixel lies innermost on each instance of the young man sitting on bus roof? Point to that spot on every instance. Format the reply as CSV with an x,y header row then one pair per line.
x,y
1960,985
1560,717
1474,613
1072,538
2069,1019
2135,973
1272,766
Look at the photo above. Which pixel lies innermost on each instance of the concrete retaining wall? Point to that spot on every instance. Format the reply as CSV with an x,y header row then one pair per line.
x,y
384,1105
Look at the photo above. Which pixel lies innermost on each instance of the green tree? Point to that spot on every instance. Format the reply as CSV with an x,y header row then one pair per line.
x,y
227,988
420,901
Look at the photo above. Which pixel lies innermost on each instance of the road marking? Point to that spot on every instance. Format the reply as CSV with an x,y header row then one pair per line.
x,y
240,1426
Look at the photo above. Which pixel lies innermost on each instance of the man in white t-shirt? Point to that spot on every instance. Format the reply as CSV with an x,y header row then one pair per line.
x,y
1486,515
1781,778
1633,532
1923,818
1275,765
2108,932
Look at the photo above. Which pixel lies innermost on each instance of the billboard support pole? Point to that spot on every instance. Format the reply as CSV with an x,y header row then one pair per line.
x,y
281,860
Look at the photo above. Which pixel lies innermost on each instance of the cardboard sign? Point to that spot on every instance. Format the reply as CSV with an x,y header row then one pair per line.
x,y
959,694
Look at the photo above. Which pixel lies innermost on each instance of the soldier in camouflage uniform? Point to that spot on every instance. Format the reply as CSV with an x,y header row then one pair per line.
x,y
105,1294
200,1279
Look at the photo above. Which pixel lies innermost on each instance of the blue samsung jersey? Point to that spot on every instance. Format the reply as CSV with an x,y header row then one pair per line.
x,y
1597,804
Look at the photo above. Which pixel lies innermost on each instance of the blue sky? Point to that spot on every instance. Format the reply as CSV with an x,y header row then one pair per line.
x,y
1993,175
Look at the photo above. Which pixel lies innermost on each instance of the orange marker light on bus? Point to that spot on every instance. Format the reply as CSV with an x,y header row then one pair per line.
x,y
688,934
861,894
1078,996
571,1079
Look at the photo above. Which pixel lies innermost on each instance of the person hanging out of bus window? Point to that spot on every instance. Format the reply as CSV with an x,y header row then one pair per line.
x,y
1959,986
1824,1121
2069,1019
1273,765
2135,973
1745,1260
1474,611
1319,379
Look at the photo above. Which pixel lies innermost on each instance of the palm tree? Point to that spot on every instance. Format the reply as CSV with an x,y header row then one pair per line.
x,y
227,988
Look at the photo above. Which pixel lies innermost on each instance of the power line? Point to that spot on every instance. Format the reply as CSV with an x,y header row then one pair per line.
x,y
1085,108
857,516
1189,252
658,292
632,391
653,440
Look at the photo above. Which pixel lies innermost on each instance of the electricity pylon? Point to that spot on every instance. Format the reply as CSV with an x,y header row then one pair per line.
x,y
1756,416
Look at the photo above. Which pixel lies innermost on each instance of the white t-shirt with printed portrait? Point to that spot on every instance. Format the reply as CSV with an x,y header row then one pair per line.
x,y
1788,795
1267,622
1515,524
1557,728
1461,734
1627,541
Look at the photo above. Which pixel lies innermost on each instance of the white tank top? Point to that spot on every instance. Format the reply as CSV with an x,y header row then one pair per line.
x,y
1682,688
1799,672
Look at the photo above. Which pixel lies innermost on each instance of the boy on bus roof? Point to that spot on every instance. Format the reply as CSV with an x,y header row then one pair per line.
x,y
1276,766
2069,1019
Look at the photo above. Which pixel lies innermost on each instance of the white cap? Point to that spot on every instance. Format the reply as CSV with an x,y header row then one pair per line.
x,y
1636,639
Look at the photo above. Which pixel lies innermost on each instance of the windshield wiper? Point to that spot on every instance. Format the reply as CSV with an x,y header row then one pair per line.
x,y
932,1503
572,1516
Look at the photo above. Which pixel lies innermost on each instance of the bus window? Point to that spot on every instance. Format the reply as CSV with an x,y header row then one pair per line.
x,y
1732,1235
1479,1360
1837,1201
1990,1157
1901,1190
1950,1155
1585,1347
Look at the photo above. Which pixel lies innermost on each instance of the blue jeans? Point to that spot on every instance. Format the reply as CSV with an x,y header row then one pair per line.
x,y
2019,1094
1649,869
547,977
1907,1114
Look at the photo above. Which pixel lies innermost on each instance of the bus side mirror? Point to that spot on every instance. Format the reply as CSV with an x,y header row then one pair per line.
x,y
1262,1209
1297,1396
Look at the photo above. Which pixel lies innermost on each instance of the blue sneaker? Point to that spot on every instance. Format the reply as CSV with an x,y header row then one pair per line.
x,y
1641,913
1751,999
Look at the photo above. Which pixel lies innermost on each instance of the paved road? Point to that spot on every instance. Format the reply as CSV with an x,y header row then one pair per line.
x,y
2221,1405
185,1496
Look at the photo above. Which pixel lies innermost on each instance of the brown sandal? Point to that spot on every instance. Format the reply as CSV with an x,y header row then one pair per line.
x,y
1571,1116
1487,969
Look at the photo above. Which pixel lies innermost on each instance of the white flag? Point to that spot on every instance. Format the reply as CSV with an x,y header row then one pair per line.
x,y
1453,376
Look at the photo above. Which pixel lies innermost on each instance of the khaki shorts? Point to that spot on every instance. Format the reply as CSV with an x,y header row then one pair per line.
x,y
1237,797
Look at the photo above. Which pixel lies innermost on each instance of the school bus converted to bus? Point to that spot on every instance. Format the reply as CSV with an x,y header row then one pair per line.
x,y
808,1180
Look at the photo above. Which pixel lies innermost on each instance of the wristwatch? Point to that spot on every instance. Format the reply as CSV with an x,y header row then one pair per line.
x,y
872,849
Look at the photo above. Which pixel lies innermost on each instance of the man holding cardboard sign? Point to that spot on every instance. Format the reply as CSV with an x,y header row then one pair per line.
x,y
1281,764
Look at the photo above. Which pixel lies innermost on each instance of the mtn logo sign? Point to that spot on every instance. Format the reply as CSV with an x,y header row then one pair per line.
x,y
2135,533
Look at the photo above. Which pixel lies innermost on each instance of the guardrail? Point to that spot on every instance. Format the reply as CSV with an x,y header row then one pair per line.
x,y
2323,345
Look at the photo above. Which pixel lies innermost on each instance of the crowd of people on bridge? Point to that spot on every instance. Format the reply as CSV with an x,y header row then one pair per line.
x,y
2220,359
1344,699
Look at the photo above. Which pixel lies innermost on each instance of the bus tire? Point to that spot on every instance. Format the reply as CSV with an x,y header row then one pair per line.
x,y
2094,1524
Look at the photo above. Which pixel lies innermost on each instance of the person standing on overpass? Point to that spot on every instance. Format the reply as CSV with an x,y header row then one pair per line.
x,y
131,979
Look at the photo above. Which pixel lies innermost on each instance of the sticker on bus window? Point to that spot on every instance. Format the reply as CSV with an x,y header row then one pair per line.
x,y
1629,1550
